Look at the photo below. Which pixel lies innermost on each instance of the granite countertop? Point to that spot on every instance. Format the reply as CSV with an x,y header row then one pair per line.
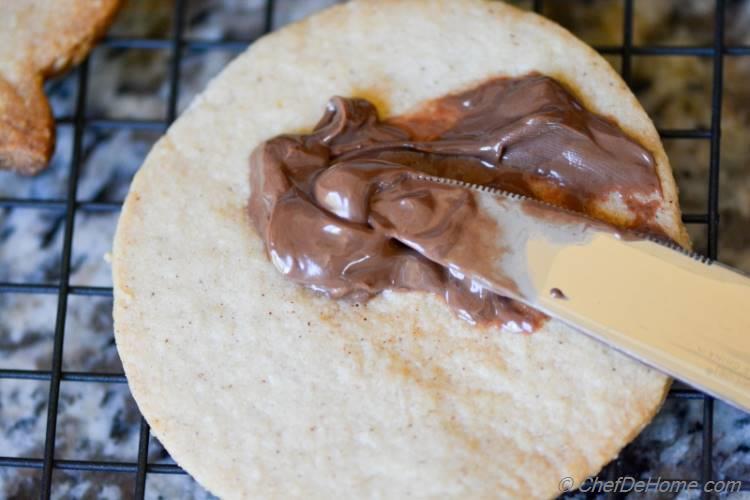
x,y
99,421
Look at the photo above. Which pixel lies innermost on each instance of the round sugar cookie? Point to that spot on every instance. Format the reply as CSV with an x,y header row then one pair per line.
x,y
261,388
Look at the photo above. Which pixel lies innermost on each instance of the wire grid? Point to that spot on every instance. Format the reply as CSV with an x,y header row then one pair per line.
x,y
176,44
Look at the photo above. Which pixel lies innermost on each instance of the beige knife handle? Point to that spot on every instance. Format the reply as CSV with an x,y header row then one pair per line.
x,y
685,317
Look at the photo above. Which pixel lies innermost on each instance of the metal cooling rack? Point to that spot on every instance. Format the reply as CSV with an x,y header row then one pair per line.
x,y
177,44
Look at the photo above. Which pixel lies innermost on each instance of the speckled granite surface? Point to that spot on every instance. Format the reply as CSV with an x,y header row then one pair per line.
x,y
100,421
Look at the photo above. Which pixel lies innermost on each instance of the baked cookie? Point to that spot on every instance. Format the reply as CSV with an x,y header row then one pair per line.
x,y
262,388
39,39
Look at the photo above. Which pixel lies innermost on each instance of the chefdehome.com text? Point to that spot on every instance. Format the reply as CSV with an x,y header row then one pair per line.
x,y
628,484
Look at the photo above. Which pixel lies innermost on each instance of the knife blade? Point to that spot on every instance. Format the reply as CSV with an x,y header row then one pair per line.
x,y
675,310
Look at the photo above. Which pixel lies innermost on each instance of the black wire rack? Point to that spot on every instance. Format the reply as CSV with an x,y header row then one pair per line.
x,y
177,44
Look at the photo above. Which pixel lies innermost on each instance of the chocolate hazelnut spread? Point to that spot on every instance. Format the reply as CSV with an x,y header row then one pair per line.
x,y
342,211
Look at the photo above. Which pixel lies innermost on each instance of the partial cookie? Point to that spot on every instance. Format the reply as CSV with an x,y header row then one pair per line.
x,y
263,389
39,39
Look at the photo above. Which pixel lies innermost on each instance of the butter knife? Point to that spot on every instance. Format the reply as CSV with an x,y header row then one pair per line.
x,y
677,311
